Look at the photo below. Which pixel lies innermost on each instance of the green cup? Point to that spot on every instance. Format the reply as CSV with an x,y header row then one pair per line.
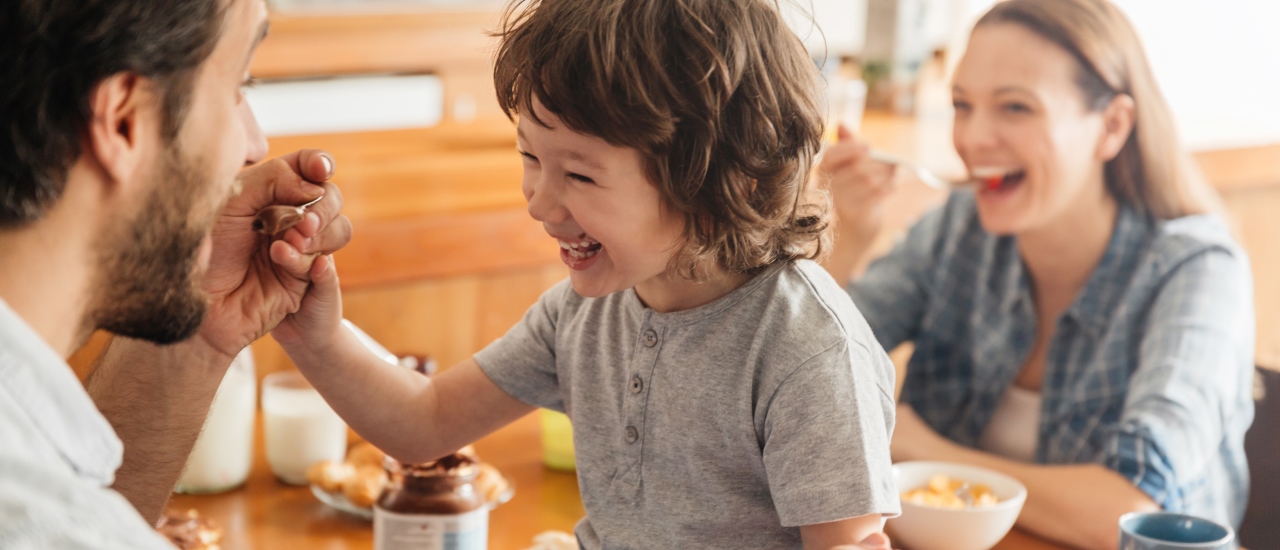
x,y
557,441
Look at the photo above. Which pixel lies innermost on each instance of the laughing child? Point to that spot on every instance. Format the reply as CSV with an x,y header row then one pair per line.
x,y
724,391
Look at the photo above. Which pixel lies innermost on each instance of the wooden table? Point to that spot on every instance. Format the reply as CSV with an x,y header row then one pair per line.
x,y
266,514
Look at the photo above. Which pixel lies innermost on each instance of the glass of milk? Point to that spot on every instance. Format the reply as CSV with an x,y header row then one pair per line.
x,y
222,455
301,428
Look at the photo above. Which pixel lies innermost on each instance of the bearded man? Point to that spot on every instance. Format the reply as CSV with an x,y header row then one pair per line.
x,y
125,205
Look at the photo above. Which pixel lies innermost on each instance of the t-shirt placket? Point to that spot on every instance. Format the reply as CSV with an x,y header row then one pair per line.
x,y
626,485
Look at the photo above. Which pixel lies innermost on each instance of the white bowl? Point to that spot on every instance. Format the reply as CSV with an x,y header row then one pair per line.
x,y
928,528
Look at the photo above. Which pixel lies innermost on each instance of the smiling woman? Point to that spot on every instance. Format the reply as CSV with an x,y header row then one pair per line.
x,y
1084,326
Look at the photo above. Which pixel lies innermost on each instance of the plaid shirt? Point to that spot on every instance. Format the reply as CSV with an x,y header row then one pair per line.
x,y
1149,371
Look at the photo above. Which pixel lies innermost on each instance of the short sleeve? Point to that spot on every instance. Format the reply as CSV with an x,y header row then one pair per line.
x,y
523,361
827,430
894,292
42,507
1192,381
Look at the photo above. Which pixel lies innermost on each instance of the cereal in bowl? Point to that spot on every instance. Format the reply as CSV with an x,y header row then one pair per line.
x,y
944,492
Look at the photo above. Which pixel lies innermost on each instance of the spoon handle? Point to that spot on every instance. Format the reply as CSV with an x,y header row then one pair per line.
x,y
927,177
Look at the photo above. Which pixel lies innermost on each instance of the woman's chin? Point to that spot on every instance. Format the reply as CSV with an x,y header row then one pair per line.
x,y
1002,223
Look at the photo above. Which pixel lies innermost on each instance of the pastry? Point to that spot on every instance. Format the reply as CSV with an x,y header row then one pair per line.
x,y
490,482
330,475
554,540
470,452
364,486
188,531
365,454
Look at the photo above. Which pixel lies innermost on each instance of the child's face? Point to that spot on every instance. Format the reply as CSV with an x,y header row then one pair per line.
x,y
613,230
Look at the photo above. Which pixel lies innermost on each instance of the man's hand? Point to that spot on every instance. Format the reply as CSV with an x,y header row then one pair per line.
x,y
157,397
254,281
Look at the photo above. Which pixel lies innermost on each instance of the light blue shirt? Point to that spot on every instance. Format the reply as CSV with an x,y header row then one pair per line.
x,y
58,455
1149,371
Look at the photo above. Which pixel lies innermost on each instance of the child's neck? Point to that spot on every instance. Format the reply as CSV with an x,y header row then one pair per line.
x,y
670,292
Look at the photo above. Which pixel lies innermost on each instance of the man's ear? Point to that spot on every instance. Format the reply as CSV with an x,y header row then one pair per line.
x,y
124,125
1117,120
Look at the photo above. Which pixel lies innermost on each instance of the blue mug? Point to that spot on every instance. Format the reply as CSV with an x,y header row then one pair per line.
x,y
1166,531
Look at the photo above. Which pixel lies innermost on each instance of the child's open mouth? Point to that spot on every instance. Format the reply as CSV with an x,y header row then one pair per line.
x,y
998,180
579,253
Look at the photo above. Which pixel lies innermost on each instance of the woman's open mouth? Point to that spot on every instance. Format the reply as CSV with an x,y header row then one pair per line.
x,y
998,180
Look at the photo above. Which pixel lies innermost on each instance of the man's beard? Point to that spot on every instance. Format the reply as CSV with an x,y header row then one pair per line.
x,y
148,287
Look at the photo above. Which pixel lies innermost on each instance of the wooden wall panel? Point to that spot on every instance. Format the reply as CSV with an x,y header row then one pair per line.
x,y
426,40
82,360
454,44
1237,169
400,250
430,183
1256,213
449,318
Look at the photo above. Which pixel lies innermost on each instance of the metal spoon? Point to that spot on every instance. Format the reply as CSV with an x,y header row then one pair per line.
x,y
275,219
924,175
965,495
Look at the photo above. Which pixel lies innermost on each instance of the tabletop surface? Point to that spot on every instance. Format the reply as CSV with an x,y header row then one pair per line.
x,y
268,514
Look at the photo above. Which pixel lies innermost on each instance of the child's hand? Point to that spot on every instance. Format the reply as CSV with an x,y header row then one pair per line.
x,y
839,535
318,320
251,288
877,541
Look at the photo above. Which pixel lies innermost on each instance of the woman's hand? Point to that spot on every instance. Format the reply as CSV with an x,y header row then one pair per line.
x,y
858,184
859,187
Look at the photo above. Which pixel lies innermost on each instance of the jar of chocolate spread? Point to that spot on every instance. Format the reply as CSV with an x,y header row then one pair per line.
x,y
432,506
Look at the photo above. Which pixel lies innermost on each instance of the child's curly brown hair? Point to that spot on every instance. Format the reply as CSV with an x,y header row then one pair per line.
x,y
719,96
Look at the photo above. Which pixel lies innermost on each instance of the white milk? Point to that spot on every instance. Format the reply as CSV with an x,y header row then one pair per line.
x,y
301,429
223,452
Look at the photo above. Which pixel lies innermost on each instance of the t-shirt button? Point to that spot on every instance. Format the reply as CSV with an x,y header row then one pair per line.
x,y
632,434
637,384
650,338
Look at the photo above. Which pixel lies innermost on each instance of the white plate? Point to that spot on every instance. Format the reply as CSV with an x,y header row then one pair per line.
x,y
340,502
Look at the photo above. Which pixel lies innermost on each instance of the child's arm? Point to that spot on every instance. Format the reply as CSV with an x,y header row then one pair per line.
x,y
826,450
410,416
860,533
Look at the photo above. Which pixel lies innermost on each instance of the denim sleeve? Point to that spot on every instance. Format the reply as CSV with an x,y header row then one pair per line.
x,y
894,292
1188,384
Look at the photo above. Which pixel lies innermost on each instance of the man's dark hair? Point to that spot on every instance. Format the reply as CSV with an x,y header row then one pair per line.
x,y
53,53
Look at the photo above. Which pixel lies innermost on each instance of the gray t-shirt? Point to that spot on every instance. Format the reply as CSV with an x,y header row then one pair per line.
x,y
725,426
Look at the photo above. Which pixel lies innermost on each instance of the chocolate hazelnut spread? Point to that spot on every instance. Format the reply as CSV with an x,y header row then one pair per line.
x,y
273,220
434,505
190,531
